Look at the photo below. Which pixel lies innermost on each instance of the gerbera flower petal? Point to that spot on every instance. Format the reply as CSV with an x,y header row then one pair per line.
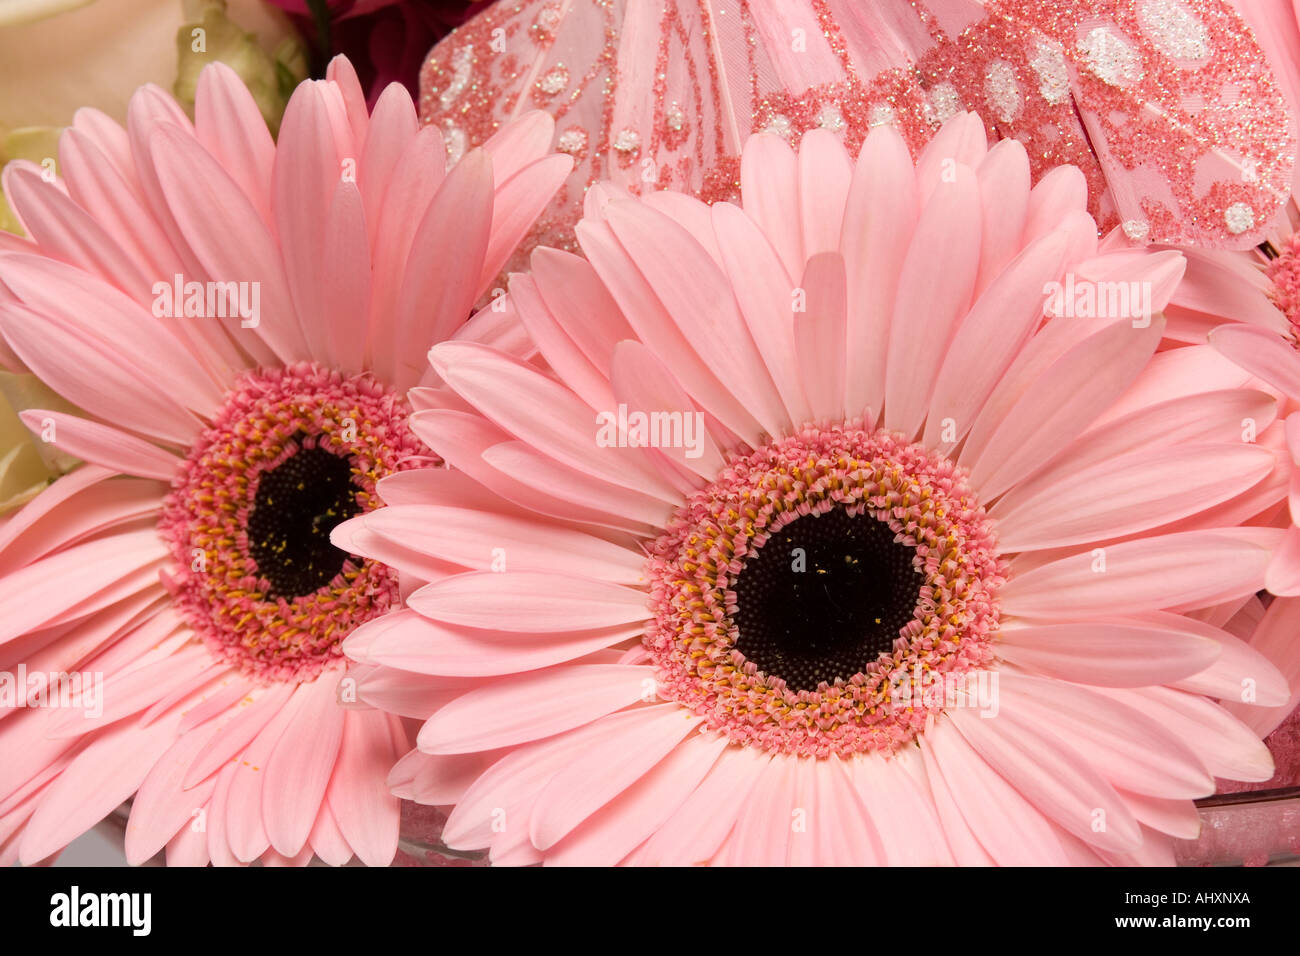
x,y
992,335
1054,777
554,345
769,172
1110,653
697,296
694,833
1144,489
879,219
532,706
300,767
820,334
1135,754
934,290
825,176
104,445
1004,183
230,127
653,326
973,790
607,768
763,291
367,815
1186,569
1092,374
614,831
97,780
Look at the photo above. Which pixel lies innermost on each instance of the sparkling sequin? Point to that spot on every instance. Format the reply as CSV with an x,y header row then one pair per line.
x,y
1003,91
1112,58
572,141
554,81
1136,229
462,64
780,125
1174,30
1053,77
1239,218
831,118
627,141
945,102
882,114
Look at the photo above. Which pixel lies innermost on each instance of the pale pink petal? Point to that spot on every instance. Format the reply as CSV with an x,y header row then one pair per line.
x,y
1191,569
1051,776
1226,746
765,293
696,294
693,834
482,540
642,382
519,201
1110,653
162,806
1133,492
103,775
988,805
989,337
560,351
40,591
1131,751
617,828
879,219
229,125
529,601
820,336
934,290
367,815
653,325
345,273
532,706
301,764
1068,396
769,186
634,742
1004,202
511,393
103,445
825,174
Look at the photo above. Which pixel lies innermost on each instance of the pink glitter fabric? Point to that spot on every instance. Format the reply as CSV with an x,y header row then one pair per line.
x,y
1168,106
925,501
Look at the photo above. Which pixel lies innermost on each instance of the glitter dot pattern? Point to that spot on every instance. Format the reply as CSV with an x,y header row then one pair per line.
x,y
1174,96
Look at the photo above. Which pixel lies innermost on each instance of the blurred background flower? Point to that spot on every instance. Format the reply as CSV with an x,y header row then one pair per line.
x,y
75,53
386,40
27,464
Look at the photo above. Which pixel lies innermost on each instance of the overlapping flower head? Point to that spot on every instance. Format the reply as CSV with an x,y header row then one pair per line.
x,y
240,320
862,523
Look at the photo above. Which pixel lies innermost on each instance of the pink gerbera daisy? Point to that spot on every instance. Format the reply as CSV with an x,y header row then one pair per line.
x,y
816,542
240,319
